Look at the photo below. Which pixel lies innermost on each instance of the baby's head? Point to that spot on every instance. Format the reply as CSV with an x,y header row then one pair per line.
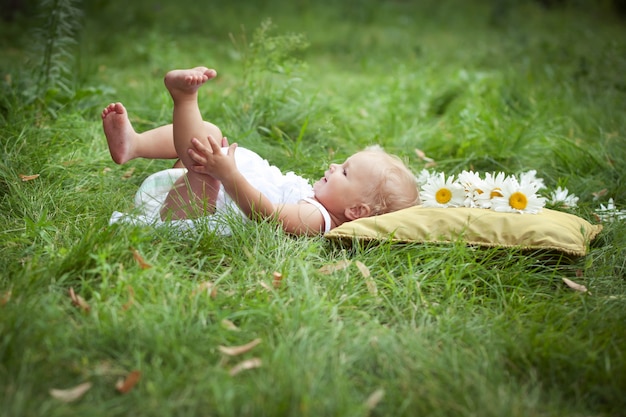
x,y
368,183
394,186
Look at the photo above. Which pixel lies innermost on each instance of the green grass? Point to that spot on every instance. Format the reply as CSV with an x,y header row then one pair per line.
x,y
438,330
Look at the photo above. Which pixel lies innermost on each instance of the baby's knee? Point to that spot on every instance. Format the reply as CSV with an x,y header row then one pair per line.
x,y
213,131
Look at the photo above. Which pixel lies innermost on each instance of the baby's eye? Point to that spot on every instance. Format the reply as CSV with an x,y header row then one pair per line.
x,y
345,173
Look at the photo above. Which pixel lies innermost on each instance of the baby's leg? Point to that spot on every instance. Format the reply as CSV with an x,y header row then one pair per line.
x,y
126,144
194,194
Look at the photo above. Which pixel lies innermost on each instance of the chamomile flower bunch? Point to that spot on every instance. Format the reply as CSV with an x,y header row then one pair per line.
x,y
610,212
562,198
495,191
503,193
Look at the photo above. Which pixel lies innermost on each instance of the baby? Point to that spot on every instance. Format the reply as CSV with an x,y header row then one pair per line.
x,y
219,176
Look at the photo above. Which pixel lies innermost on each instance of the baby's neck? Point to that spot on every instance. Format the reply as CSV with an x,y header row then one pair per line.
x,y
336,218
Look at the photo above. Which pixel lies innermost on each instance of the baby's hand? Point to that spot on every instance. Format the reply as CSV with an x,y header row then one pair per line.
x,y
211,161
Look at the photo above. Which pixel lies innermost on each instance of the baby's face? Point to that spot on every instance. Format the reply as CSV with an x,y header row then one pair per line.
x,y
344,185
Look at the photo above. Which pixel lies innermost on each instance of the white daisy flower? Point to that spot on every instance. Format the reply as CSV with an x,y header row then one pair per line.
x,y
518,198
610,206
562,197
471,183
610,212
442,192
491,186
530,179
423,177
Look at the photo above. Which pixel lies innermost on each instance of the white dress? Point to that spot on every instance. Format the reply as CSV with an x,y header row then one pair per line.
x,y
287,188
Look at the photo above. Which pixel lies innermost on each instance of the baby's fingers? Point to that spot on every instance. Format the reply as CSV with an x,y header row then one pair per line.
x,y
200,169
199,146
196,157
231,149
215,147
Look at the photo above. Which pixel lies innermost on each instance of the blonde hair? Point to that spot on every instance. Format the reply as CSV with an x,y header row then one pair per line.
x,y
397,187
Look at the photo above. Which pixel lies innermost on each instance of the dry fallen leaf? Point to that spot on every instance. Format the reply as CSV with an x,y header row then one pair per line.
x,y
28,177
142,263
128,173
365,271
5,297
371,285
124,385
374,398
277,279
599,194
229,325
337,266
78,301
421,155
238,350
104,367
245,365
131,298
575,286
207,287
70,394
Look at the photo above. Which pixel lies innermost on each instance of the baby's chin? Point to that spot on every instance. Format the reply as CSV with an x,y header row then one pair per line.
x,y
317,185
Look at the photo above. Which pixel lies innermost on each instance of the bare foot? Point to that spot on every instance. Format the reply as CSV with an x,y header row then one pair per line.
x,y
119,132
181,83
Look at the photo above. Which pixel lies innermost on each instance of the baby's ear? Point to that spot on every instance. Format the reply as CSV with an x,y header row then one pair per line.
x,y
358,211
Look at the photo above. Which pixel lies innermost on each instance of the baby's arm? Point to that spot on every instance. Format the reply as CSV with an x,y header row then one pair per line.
x,y
300,219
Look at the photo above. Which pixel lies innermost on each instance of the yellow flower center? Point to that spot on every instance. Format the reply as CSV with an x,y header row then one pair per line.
x,y
443,196
518,201
495,193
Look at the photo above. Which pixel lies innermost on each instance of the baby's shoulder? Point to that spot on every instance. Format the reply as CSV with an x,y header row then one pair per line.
x,y
316,206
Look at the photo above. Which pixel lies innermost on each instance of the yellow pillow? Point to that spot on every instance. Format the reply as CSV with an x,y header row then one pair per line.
x,y
548,229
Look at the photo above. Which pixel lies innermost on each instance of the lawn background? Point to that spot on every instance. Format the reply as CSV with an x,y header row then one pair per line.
x,y
434,330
